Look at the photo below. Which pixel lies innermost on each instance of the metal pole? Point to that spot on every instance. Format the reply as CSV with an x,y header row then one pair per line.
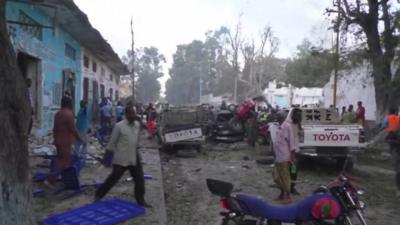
x,y
133,62
200,94
335,77
235,91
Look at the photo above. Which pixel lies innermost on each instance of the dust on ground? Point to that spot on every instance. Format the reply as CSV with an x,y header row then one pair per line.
x,y
188,200
182,184
94,171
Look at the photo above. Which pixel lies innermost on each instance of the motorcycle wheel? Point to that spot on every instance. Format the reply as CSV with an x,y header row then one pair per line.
x,y
240,222
229,222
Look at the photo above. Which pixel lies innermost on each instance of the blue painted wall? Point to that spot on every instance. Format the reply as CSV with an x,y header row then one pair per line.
x,y
51,51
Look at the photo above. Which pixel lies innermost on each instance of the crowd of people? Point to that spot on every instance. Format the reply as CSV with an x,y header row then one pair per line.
x,y
125,137
349,116
70,140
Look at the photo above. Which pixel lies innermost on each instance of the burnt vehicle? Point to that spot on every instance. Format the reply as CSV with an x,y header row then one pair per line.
x,y
182,126
221,129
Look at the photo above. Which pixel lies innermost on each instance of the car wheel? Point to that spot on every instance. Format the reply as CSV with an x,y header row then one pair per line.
x,y
232,108
236,125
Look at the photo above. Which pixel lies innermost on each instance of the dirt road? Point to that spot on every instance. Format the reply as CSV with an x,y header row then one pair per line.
x,y
189,202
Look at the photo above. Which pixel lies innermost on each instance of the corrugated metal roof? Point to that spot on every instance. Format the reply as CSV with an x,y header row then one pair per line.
x,y
76,23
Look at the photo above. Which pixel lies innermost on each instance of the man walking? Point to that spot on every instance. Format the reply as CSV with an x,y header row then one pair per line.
x,y
123,143
392,126
64,134
283,145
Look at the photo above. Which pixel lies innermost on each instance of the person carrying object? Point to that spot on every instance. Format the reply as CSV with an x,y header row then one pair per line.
x,y
124,146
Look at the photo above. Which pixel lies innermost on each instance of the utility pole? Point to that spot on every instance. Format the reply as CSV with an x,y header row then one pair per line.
x,y
200,89
235,91
335,76
133,63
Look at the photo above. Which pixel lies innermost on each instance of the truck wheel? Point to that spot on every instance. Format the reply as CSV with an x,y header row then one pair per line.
x,y
198,148
186,154
169,149
345,163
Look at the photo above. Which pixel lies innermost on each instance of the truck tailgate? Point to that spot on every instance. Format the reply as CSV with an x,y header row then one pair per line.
x,y
331,136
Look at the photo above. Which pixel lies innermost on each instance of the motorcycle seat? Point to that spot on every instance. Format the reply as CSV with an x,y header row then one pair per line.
x,y
300,211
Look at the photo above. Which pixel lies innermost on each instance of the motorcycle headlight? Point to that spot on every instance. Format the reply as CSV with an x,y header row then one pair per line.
x,y
360,192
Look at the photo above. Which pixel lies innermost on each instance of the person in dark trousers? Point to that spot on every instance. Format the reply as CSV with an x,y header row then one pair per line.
x,y
123,143
392,125
149,110
82,123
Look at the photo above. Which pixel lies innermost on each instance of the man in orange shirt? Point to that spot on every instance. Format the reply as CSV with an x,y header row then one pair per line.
x,y
392,125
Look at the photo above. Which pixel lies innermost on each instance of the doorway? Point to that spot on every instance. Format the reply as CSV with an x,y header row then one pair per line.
x,y
69,85
95,97
30,68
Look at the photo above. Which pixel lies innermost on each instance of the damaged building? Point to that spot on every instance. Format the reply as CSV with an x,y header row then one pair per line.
x,y
60,52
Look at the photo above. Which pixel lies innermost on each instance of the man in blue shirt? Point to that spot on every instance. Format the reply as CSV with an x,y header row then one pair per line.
x,y
106,111
119,111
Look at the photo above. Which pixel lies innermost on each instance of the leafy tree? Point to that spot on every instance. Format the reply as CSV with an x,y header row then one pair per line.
x,y
310,67
15,188
148,68
376,22
189,69
213,66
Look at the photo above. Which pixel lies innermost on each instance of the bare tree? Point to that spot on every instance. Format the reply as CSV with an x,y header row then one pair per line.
x,y
15,190
269,43
257,60
375,20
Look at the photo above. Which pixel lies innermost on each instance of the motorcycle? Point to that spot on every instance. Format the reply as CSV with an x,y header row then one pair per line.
x,y
243,114
334,204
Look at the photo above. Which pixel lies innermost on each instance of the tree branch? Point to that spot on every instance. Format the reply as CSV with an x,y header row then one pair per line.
x,y
389,41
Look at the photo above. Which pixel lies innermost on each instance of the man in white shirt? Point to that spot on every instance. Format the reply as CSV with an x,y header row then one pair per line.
x,y
123,143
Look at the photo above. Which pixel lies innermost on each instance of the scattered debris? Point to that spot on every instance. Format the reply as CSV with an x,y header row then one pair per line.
x,y
246,166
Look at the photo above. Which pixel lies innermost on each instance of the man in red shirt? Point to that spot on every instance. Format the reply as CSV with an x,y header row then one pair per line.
x,y
64,134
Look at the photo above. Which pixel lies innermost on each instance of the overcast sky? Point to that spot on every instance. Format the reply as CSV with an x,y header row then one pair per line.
x,y
167,23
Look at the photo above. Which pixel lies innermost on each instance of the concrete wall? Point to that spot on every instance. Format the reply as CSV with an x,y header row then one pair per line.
x,y
353,85
288,95
97,76
51,53
87,72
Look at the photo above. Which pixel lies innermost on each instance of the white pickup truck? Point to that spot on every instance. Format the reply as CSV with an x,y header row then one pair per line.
x,y
323,135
